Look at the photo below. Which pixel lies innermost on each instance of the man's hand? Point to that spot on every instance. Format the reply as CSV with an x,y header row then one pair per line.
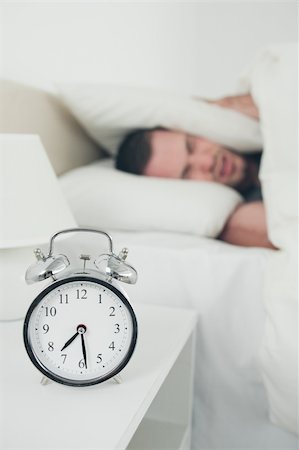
x,y
241,103
247,227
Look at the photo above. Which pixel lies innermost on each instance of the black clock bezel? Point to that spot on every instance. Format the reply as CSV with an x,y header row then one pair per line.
x,y
63,380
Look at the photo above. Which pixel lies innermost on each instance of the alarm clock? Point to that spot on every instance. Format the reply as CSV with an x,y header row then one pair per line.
x,y
81,329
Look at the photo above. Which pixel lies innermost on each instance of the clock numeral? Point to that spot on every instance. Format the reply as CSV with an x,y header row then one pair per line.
x,y
81,294
50,311
99,357
100,298
50,346
63,355
46,328
81,364
117,328
63,298
112,314
112,346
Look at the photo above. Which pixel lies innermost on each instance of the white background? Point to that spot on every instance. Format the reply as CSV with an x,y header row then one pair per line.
x,y
194,47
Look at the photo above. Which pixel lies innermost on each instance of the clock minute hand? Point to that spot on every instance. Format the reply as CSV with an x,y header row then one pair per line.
x,y
83,350
69,341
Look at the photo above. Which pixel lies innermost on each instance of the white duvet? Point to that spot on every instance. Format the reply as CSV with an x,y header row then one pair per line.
x,y
273,83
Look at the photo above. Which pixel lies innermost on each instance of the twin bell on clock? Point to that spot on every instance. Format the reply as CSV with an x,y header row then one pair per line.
x,y
81,329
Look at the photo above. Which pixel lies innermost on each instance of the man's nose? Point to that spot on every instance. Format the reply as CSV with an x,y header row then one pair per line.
x,y
204,162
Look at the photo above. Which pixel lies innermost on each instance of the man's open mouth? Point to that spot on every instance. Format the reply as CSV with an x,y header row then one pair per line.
x,y
224,166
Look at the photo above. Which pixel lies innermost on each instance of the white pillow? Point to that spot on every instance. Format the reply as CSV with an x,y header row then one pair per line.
x,y
108,113
101,196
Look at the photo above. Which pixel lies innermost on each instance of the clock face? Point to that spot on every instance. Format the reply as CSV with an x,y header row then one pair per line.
x,y
80,331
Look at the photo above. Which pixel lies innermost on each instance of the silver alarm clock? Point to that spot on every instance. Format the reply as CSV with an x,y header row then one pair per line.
x,y
81,330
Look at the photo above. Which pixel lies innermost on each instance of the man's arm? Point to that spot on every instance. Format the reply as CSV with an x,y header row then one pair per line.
x,y
247,227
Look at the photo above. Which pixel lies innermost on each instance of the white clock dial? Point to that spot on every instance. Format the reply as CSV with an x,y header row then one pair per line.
x,y
80,331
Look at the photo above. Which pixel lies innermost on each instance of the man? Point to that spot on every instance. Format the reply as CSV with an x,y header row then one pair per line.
x,y
172,154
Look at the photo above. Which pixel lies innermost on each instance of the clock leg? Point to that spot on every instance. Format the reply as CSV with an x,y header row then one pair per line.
x,y
44,381
118,379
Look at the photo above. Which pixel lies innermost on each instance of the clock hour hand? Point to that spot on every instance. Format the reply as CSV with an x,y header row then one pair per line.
x,y
84,350
70,341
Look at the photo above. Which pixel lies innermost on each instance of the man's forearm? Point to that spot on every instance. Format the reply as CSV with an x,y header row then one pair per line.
x,y
247,227
240,237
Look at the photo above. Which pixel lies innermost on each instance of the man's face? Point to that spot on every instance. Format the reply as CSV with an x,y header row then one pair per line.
x,y
180,155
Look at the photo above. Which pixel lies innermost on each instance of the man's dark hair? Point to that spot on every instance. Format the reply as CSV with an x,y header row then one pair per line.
x,y
134,152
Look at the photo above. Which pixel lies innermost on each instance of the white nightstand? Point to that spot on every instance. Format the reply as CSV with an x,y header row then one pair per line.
x,y
151,409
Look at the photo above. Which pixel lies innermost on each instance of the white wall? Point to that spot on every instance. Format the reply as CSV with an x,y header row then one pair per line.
x,y
194,47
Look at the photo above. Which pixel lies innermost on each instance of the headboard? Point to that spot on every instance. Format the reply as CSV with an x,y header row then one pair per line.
x,y
28,110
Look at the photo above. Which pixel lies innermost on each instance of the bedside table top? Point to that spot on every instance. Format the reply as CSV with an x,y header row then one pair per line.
x,y
104,416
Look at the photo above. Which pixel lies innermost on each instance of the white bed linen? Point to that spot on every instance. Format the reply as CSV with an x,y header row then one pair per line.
x,y
224,284
274,85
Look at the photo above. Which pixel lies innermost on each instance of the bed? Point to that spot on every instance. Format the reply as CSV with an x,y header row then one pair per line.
x,y
223,283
